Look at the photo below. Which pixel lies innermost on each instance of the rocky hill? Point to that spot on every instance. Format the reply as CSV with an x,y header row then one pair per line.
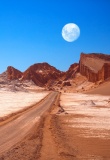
x,y
42,74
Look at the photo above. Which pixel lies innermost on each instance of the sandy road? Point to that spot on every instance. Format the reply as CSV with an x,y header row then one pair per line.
x,y
12,132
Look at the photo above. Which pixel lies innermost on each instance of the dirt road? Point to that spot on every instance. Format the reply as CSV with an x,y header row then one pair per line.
x,y
44,141
51,138
14,131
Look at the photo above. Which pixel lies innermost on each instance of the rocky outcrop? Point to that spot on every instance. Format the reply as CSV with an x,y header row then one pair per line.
x,y
70,74
13,73
66,83
96,67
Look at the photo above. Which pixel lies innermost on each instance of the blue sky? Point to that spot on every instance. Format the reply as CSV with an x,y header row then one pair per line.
x,y
30,31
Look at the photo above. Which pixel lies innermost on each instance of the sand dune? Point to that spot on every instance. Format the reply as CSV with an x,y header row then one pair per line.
x,y
103,89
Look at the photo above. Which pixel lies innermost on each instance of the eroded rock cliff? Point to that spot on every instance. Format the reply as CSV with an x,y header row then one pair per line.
x,y
96,67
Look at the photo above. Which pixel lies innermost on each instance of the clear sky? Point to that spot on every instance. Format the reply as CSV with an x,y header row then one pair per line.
x,y
30,31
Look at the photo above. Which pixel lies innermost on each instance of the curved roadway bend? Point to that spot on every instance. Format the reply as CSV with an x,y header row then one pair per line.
x,y
14,131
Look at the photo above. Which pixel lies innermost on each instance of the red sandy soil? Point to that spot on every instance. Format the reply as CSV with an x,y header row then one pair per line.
x,y
52,139
103,89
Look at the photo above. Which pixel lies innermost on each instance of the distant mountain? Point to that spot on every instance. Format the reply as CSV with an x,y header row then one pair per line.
x,y
95,67
42,74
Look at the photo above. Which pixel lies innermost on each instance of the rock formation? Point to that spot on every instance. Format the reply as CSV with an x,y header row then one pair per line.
x,y
13,73
70,74
42,74
96,67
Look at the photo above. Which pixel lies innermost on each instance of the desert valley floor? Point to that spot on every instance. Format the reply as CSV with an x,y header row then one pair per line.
x,y
77,125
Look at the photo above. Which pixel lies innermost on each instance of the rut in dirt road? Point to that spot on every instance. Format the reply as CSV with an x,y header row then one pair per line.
x,y
53,141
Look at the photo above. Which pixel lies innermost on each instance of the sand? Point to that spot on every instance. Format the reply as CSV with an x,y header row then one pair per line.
x,y
11,102
103,89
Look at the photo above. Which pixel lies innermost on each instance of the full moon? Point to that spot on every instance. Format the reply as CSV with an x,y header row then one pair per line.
x,y
70,32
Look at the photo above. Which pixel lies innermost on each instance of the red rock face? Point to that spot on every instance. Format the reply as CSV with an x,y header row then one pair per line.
x,y
13,73
96,67
42,74
70,74
66,83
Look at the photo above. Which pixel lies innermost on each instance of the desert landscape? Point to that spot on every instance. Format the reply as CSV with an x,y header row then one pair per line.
x,y
49,114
